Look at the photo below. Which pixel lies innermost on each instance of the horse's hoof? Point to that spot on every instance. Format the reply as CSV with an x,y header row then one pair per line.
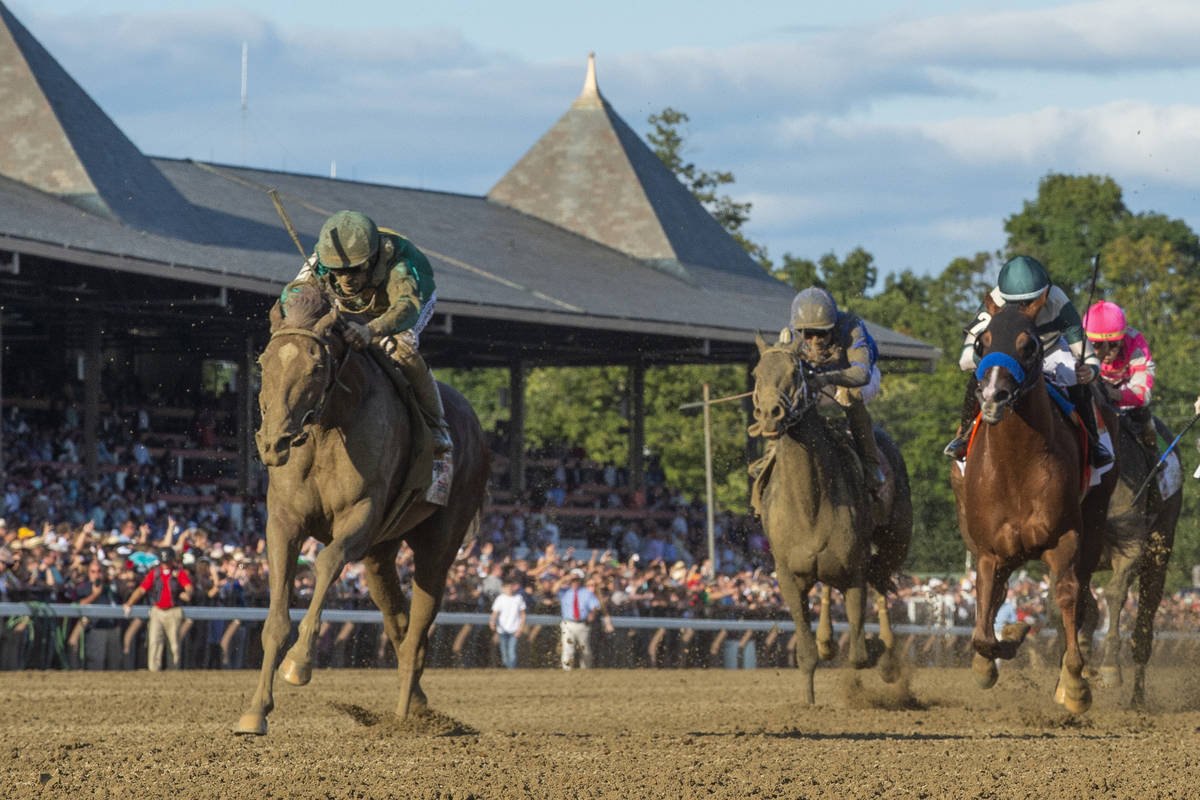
x,y
1015,632
1110,677
985,671
253,724
1060,693
295,672
889,667
1079,701
875,651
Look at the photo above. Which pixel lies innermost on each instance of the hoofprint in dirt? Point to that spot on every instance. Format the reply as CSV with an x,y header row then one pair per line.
x,y
595,734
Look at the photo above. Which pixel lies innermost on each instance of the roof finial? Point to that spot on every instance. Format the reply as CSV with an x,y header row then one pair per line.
x,y
591,91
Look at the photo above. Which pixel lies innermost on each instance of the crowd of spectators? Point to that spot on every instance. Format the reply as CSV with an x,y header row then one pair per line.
x,y
643,549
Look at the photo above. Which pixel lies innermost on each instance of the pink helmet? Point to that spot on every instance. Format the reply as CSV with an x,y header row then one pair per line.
x,y
1104,321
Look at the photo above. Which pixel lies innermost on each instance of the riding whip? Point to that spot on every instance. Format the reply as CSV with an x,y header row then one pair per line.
x,y
1095,276
287,221
1162,460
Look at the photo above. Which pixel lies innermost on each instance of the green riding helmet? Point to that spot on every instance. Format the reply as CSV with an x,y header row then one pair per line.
x,y
813,309
1022,278
348,239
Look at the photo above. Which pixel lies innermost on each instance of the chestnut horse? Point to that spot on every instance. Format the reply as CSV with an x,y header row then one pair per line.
x,y
820,518
1023,496
348,463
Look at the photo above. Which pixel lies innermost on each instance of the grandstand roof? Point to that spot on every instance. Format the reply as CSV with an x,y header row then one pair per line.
x,y
530,271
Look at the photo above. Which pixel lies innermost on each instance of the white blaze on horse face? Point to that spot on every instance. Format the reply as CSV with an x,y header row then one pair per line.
x,y
287,353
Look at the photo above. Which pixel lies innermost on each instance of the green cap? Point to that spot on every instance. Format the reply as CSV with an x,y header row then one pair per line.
x,y
347,239
813,309
1022,278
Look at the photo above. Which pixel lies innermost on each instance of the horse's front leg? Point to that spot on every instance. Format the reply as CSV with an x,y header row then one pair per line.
x,y
795,594
990,588
282,552
1115,594
1157,553
1073,690
856,612
826,646
349,531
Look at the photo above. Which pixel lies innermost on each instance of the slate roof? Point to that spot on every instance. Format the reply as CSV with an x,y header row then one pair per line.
x,y
215,225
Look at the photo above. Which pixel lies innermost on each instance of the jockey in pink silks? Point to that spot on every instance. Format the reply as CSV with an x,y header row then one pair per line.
x,y
1126,366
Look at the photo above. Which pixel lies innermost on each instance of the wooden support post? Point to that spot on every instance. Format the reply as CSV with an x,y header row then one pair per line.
x,y
637,425
245,421
91,398
516,426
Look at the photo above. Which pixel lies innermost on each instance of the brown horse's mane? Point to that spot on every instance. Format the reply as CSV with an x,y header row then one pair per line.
x,y
301,305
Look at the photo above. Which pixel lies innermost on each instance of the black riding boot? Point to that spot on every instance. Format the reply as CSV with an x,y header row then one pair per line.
x,y
957,449
1081,395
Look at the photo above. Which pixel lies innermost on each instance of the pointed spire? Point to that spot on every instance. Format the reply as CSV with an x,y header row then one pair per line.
x,y
590,97
55,138
593,175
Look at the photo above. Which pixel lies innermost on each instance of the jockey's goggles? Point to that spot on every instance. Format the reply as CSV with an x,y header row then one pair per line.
x,y
323,269
814,333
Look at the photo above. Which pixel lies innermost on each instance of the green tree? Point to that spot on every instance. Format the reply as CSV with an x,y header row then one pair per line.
x,y
1071,219
668,144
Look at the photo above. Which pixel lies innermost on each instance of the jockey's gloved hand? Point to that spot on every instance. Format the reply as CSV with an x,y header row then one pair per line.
x,y
1084,373
357,335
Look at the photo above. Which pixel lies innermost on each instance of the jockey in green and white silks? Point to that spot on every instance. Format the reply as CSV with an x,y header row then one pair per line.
x,y
383,285
838,351
1068,360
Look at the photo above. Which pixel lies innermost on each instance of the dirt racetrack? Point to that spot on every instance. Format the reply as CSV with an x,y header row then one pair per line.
x,y
626,734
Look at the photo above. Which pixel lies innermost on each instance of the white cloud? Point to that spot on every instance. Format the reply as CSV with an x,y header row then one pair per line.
x,y
1125,137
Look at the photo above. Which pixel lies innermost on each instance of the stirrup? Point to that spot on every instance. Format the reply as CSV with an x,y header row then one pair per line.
x,y
957,449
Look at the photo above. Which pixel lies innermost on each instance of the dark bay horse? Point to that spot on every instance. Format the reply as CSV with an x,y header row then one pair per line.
x,y
1022,496
819,515
338,443
1137,545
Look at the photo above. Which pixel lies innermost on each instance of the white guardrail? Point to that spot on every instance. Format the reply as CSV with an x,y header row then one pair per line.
x,y
468,618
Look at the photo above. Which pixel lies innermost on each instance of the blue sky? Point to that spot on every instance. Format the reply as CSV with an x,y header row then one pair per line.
x,y
910,133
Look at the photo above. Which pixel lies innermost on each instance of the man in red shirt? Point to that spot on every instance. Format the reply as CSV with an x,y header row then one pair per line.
x,y
164,584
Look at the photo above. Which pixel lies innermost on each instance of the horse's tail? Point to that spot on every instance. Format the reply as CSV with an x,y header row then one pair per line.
x,y
892,536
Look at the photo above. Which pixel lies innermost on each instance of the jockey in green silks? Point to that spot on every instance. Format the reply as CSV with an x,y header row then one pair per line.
x,y
383,285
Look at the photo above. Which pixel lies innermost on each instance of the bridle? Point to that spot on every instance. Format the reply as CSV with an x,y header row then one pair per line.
x,y
331,381
797,400
1026,379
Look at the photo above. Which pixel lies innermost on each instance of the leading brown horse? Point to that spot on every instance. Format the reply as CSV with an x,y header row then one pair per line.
x,y
1023,496
348,462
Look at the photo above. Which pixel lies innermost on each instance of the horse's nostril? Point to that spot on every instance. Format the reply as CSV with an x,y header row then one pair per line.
x,y
777,412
